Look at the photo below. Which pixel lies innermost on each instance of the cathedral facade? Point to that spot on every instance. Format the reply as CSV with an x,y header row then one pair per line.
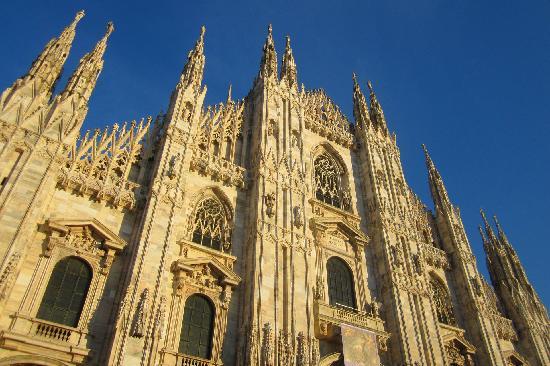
x,y
267,231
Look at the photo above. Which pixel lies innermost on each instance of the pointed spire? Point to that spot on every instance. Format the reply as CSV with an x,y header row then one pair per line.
x,y
83,80
288,68
194,68
437,187
46,69
500,231
360,109
268,65
377,114
488,229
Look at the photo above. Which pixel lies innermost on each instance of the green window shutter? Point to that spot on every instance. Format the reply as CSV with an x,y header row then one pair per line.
x,y
197,328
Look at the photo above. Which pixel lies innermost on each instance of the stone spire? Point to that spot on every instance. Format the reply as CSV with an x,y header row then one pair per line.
x,y
45,70
268,65
83,80
360,109
437,187
376,112
288,68
194,68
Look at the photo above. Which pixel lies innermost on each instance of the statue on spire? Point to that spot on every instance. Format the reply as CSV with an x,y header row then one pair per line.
x,y
288,68
437,187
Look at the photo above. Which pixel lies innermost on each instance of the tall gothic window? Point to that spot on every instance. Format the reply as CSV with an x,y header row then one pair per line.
x,y
443,304
340,283
197,328
66,292
328,182
210,227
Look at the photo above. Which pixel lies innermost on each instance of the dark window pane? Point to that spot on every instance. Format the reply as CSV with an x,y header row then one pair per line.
x,y
340,283
197,328
66,292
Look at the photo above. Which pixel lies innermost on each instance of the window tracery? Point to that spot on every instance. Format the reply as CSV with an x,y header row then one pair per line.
x,y
443,304
211,225
329,183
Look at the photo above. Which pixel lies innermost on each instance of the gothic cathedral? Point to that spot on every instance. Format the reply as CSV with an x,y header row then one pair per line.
x,y
266,231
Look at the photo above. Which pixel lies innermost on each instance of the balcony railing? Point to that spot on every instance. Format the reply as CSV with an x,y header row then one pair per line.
x,y
341,314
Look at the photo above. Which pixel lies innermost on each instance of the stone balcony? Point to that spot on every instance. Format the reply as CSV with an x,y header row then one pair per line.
x,y
41,337
328,319
218,169
179,359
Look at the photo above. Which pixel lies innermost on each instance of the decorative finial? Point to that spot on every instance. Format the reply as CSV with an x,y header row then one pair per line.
x,y
270,30
354,77
229,93
369,84
79,15
110,29
203,30
487,226
287,42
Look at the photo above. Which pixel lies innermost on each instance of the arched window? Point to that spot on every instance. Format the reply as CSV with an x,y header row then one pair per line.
x,y
340,283
443,304
197,327
210,227
328,182
66,292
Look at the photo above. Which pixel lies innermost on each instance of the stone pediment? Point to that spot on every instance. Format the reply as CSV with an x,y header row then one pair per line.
x,y
224,274
339,227
512,355
454,334
91,227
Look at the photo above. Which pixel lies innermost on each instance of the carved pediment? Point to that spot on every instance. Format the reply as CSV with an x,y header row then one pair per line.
x,y
207,267
515,358
339,228
453,335
87,235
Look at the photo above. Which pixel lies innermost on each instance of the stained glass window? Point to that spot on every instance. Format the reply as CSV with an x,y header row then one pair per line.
x,y
66,292
210,225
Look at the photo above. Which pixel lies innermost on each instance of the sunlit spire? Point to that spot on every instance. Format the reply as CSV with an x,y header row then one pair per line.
x,y
194,68
268,65
288,68
360,109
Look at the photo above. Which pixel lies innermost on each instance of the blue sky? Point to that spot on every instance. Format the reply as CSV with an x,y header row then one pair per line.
x,y
470,79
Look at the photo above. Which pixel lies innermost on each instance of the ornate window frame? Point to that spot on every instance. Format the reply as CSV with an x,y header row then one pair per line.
x,y
326,150
88,240
435,283
208,277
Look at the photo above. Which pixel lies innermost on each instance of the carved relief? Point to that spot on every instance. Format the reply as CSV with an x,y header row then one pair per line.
x,y
141,314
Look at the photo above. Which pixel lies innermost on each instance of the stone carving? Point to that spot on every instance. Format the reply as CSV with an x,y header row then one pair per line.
x,y
267,346
175,166
397,255
161,314
141,315
302,354
285,350
270,204
7,274
375,308
298,217
325,118
99,166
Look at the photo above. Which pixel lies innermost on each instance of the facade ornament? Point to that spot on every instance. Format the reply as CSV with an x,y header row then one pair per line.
x,y
161,315
397,255
302,354
346,199
375,308
298,216
8,274
141,315
285,354
418,264
270,204
267,346
175,165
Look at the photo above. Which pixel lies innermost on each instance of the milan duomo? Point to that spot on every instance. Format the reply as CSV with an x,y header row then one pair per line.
x,y
267,231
